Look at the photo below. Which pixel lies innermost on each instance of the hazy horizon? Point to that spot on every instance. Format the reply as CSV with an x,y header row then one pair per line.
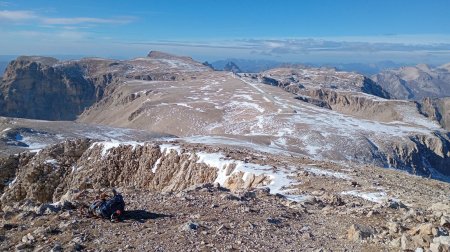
x,y
321,32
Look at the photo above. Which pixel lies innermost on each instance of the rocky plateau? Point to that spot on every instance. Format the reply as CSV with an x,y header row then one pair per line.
x,y
289,159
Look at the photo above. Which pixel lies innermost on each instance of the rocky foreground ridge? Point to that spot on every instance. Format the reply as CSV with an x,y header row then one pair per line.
x,y
192,197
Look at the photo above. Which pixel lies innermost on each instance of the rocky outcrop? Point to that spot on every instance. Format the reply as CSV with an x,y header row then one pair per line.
x,y
436,109
295,79
352,104
423,155
207,64
331,89
82,164
415,82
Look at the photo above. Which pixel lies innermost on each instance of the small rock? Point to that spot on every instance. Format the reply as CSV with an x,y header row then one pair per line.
x,y
78,247
354,184
221,228
407,243
8,226
393,227
48,209
423,229
438,247
307,235
445,240
274,221
190,226
230,197
309,200
396,243
28,239
305,229
371,213
440,207
395,204
57,248
422,240
358,232
21,246
445,221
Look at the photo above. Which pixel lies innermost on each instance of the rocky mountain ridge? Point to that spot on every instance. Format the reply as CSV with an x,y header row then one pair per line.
x,y
292,158
61,90
415,82
326,114
215,197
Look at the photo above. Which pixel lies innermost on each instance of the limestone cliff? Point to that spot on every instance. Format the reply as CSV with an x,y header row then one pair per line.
x,y
415,82
45,88
436,109
82,164
39,88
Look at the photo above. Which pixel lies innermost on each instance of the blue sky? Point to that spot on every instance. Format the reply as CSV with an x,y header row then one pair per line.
x,y
301,31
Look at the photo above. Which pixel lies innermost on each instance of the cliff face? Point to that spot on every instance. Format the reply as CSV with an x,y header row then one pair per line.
x,y
36,88
45,88
436,109
303,78
83,164
415,82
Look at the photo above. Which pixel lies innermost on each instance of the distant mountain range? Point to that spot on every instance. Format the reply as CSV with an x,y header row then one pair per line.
x,y
254,66
247,65
415,82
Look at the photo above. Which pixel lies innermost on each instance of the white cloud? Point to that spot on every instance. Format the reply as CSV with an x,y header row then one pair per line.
x,y
16,16
34,18
86,20
72,35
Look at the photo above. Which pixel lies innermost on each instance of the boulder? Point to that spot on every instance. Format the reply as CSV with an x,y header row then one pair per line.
x,y
445,221
357,232
407,243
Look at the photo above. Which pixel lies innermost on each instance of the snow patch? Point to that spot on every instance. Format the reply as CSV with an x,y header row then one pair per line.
x,y
108,145
183,105
155,166
377,197
279,180
317,171
169,147
51,162
10,184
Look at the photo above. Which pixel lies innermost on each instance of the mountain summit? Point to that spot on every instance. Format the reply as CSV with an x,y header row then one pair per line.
x,y
232,67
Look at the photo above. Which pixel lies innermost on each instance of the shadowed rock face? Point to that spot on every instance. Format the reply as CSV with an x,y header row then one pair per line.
x,y
436,109
38,88
232,67
415,82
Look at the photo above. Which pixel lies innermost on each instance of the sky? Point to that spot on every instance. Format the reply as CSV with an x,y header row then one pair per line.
x,y
316,31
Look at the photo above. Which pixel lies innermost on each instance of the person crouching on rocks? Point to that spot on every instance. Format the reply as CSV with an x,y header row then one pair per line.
x,y
112,208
